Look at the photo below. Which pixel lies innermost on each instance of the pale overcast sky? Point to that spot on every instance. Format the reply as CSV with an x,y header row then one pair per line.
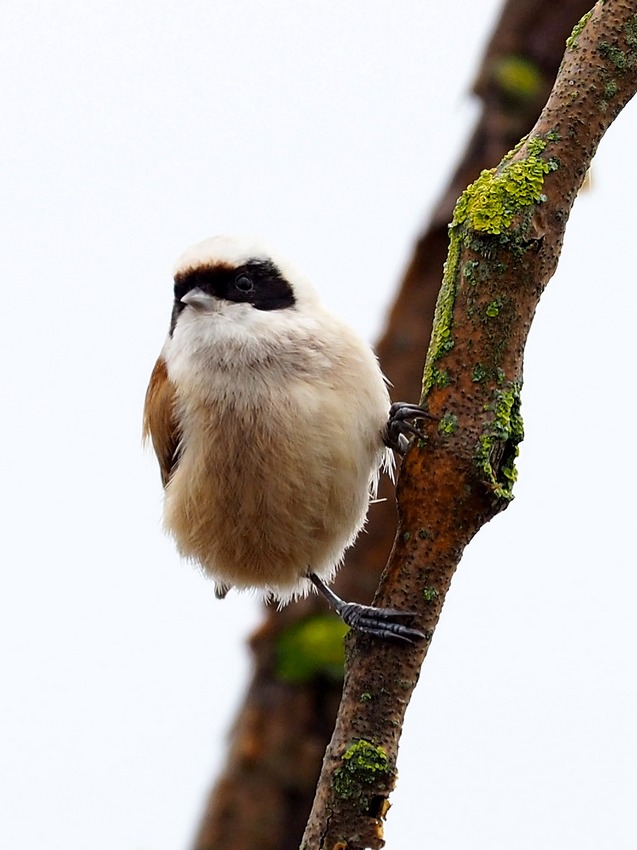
x,y
132,129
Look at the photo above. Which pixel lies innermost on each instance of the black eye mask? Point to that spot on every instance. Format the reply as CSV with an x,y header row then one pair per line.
x,y
257,282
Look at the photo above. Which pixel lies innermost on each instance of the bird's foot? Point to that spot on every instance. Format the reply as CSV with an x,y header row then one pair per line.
x,y
380,622
221,590
400,425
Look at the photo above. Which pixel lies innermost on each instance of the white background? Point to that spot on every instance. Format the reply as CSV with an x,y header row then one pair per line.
x,y
130,130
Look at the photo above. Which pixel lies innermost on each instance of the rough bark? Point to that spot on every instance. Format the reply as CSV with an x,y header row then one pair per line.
x,y
264,795
506,238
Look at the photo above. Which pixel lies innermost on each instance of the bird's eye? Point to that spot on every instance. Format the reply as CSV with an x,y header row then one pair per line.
x,y
244,283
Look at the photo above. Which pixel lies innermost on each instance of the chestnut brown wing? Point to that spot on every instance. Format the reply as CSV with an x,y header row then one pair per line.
x,y
159,420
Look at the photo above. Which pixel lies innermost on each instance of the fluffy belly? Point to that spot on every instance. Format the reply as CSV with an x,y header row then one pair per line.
x,y
267,505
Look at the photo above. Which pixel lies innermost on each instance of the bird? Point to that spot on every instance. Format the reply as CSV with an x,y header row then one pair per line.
x,y
271,421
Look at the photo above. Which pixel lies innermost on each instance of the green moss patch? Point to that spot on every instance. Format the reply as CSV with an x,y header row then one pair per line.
x,y
362,766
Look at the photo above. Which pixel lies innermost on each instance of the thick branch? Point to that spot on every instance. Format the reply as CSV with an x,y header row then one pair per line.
x,y
505,242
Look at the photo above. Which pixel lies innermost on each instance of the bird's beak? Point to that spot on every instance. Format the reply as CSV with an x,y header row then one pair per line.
x,y
200,300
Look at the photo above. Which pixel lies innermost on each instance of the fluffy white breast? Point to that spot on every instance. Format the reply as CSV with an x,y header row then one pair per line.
x,y
248,357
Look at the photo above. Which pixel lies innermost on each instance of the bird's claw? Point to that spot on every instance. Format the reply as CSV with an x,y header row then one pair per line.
x,y
400,425
380,622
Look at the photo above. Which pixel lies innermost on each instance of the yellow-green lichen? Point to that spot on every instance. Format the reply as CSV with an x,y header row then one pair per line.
x,y
493,309
362,765
609,92
517,77
630,31
571,41
623,60
448,424
491,203
486,209
441,339
470,267
311,648
497,446
439,378
619,58
430,594
610,89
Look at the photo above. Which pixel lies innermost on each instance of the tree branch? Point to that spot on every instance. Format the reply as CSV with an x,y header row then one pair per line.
x,y
506,238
